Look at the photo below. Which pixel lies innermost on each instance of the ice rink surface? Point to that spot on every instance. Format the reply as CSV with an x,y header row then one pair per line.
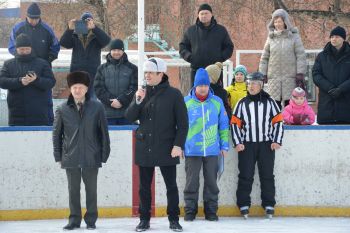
x,y
161,225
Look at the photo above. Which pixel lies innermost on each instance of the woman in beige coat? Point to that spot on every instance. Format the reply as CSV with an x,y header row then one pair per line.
x,y
283,61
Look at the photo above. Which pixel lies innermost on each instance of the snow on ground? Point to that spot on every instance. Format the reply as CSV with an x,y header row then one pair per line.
x,y
160,225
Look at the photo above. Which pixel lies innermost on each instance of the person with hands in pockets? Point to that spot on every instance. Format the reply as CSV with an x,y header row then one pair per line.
x,y
257,126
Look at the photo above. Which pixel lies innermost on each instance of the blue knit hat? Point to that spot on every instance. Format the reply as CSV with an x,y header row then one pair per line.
x,y
86,15
242,69
33,11
201,78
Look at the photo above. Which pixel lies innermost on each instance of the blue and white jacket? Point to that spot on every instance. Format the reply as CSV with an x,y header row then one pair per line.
x,y
208,126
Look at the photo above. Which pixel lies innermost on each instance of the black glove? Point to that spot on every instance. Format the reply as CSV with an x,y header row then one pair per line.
x,y
300,81
334,93
265,79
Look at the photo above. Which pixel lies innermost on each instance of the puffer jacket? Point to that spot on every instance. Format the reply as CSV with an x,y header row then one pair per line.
x,y
80,142
208,126
116,80
236,91
283,57
298,114
27,104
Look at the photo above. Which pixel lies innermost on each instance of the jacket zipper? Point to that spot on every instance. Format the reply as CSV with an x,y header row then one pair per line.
x,y
204,145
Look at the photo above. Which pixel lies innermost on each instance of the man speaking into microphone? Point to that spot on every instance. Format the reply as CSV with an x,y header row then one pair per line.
x,y
160,138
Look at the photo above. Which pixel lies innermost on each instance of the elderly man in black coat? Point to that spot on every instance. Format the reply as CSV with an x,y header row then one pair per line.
x,y
81,144
160,138
331,74
87,45
29,80
205,42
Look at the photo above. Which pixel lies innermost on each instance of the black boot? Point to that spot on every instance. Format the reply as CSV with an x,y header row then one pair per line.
x,y
143,226
71,226
211,217
175,226
189,217
91,226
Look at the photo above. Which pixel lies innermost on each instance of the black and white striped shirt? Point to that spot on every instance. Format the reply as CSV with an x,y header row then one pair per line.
x,y
257,121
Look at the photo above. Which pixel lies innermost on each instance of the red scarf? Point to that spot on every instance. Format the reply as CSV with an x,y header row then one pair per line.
x,y
201,98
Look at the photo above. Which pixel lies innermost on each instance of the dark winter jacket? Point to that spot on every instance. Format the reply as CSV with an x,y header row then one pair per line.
x,y
116,80
86,54
44,41
80,142
27,105
163,124
333,71
202,46
222,93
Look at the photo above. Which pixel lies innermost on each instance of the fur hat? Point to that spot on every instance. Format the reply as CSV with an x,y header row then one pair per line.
x,y
214,72
86,15
242,69
33,11
23,40
205,6
154,64
298,92
338,31
80,77
116,44
201,78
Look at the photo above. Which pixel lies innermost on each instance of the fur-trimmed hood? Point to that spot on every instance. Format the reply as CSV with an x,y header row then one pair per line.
x,y
285,16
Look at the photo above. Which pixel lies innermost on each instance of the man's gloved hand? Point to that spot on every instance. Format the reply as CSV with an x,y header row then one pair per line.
x,y
300,81
334,93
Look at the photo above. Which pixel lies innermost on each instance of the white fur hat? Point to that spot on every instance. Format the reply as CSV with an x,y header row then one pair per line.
x,y
154,64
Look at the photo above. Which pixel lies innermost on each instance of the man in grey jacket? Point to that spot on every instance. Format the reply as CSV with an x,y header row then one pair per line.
x,y
81,144
116,83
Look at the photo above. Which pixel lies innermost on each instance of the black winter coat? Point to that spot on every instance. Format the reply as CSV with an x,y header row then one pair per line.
x,y
222,93
80,142
163,124
202,46
87,56
116,80
27,105
331,71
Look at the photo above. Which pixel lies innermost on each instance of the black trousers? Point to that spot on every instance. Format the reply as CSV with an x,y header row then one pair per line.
x,y
89,176
193,166
261,153
169,176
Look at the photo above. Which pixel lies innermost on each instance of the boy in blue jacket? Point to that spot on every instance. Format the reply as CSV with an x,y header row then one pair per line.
x,y
207,139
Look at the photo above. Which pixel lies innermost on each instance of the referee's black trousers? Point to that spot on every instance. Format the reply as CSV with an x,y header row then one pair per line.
x,y
261,153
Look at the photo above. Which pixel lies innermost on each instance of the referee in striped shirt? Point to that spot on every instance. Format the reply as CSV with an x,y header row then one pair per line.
x,y
257,126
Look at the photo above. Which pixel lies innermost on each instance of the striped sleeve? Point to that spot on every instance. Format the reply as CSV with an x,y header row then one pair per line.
x,y
236,122
277,123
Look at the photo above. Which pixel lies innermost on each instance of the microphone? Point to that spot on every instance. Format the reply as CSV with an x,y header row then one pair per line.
x,y
143,87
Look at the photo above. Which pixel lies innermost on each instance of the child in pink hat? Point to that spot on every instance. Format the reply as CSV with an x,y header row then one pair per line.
x,y
298,112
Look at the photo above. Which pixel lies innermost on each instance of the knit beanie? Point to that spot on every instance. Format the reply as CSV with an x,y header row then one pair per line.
x,y
116,44
205,6
78,77
338,31
214,72
86,15
242,69
23,40
298,92
201,78
33,11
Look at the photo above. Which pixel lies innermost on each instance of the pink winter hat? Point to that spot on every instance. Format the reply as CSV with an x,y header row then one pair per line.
x,y
298,92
